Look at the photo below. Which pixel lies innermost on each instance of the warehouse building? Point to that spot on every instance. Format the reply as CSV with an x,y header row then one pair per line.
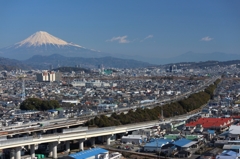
x,y
155,144
95,153
134,139
220,124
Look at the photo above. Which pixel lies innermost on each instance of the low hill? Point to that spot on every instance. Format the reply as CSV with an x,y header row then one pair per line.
x,y
70,69
10,64
205,64
56,60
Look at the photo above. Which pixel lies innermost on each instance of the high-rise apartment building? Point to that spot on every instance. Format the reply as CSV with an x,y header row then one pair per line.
x,y
49,76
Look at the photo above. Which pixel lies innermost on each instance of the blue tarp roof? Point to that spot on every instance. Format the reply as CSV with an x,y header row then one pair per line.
x,y
182,142
157,142
88,153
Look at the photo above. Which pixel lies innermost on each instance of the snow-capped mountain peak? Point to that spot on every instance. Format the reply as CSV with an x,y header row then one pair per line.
x,y
45,44
43,38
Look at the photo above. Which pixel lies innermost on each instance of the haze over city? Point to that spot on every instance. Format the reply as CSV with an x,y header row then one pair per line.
x,y
149,29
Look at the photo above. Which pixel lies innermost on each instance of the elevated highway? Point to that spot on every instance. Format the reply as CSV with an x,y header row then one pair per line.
x,y
16,144
96,132
37,128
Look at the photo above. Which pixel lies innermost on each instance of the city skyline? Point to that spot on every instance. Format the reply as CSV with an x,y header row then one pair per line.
x,y
159,29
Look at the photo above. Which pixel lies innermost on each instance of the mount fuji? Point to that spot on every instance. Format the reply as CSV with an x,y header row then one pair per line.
x,y
45,44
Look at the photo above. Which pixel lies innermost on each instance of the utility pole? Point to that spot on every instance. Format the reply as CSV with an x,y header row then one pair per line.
x,y
162,113
21,78
23,89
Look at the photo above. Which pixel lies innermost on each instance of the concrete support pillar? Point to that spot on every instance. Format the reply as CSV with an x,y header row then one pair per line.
x,y
54,130
12,154
50,147
67,146
93,141
54,150
32,151
120,135
81,145
34,134
108,140
16,136
18,152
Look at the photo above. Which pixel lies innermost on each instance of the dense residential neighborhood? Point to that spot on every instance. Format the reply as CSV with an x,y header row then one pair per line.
x,y
185,113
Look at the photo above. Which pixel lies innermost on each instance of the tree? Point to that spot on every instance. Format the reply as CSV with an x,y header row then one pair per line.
x,y
31,104
38,104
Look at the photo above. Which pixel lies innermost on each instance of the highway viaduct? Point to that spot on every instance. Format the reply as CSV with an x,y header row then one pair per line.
x,y
16,144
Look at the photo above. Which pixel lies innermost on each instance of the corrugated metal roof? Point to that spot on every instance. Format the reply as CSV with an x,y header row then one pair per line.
x,y
157,142
133,137
211,122
190,144
234,129
172,136
229,153
88,153
182,142
231,147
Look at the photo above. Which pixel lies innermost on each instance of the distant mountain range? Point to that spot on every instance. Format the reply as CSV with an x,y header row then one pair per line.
x,y
203,65
70,69
43,49
10,64
56,60
198,57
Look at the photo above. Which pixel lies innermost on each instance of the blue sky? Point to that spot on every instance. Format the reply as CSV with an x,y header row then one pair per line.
x,y
157,28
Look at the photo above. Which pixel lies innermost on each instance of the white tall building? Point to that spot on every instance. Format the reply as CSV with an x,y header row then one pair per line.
x,y
48,76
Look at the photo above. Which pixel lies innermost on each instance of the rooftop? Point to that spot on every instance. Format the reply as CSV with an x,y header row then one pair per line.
x,y
228,153
157,142
182,142
234,129
210,122
88,153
